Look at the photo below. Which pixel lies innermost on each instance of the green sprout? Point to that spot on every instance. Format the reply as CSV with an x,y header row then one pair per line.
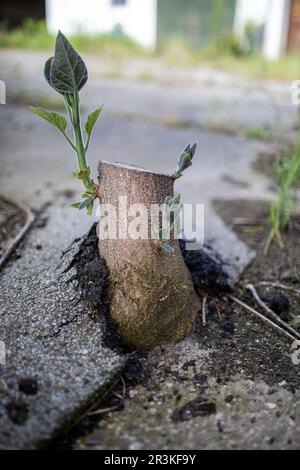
x,y
67,73
185,160
281,211
173,203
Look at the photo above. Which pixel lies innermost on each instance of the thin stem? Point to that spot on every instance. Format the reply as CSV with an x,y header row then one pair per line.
x,y
69,141
277,285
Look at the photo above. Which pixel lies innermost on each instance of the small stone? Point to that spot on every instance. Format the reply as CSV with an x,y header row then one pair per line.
x,y
271,406
132,393
282,384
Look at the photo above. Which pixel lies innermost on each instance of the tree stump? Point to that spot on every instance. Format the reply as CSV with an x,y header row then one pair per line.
x,y
151,294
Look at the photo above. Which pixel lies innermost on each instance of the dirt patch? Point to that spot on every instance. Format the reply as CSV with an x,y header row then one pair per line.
x,y
14,222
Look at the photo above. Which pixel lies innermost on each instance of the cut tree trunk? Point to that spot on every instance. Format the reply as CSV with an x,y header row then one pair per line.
x,y
151,295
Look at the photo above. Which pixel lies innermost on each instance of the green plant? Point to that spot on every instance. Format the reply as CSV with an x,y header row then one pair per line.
x,y
172,203
66,73
259,133
287,172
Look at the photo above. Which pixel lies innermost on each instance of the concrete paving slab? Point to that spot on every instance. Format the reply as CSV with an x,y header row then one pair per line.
x,y
56,361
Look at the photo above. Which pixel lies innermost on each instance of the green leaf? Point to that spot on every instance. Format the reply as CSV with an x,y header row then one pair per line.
x,y
185,160
47,70
85,204
55,119
90,207
66,72
172,201
91,121
76,205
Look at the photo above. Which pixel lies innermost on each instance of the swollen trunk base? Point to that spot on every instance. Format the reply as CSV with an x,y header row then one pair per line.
x,y
152,298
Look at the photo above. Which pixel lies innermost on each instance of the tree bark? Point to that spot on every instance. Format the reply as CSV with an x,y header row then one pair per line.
x,y
151,295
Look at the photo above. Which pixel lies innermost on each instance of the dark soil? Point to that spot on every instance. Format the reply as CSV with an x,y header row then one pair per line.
x,y
91,273
277,265
207,272
92,277
12,221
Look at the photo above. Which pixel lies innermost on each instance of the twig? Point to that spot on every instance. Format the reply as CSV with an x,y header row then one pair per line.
x,y
277,285
270,312
124,386
204,323
262,317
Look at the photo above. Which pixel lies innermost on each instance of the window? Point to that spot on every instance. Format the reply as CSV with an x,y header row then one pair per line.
x,y
116,3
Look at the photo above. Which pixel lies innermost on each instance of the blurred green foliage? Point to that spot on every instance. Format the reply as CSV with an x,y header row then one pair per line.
x,y
225,51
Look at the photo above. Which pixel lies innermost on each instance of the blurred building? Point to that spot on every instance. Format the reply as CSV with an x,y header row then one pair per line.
x,y
269,26
273,24
136,18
